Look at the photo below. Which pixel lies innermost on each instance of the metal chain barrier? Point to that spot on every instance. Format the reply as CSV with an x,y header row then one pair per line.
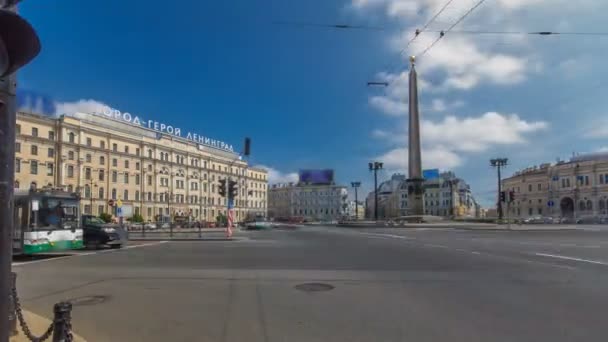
x,y
61,327
26,330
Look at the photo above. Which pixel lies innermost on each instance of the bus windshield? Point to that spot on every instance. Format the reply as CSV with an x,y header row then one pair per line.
x,y
57,214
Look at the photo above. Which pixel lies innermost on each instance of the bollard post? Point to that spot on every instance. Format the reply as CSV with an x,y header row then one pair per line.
x,y
62,322
199,230
12,316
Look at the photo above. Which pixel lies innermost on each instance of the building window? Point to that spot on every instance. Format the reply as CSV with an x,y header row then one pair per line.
x,y
101,193
540,187
149,180
529,187
87,173
115,147
70,188
529,211
149,153
589,205
34,131
51,152
136,179
102,160
101,175
586,180
114,162
50,169
149,212
17,165
113,194
126,149
51,135
137,166
126,164
18,129
70,171
71,137
126,195
87,209
71,155
114,176
102,144
149,196
540,211
89,142
136,195
34,150
87,191
126,178
18,147
137,152
87,158
100,210
602,179
150,167
33,167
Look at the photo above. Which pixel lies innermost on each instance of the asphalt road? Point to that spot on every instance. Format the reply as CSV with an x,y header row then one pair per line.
x,y
385,285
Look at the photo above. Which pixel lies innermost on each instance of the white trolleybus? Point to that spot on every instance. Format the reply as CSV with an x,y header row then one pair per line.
x,y
46,220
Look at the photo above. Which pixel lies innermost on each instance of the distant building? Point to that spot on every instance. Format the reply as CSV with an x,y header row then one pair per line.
x,y
355,211
445,195
574,188
314,197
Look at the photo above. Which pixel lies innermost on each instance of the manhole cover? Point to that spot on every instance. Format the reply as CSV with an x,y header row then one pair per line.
x,y
314,287
88,300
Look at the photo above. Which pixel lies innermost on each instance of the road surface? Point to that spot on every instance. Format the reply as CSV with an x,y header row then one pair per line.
x,y
367,285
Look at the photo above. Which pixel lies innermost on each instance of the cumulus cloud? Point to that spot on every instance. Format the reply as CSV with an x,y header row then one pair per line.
x,y
275,176
435,157
474,134
79,106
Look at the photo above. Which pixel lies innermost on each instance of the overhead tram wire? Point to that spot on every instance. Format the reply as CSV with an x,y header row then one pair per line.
x,y
442,33
416,34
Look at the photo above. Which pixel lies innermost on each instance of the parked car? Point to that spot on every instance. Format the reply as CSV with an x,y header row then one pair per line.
x,y
259,224
538,220
97,232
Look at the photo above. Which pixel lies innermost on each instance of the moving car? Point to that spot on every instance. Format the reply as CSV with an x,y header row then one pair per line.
x,y
259,223
99,233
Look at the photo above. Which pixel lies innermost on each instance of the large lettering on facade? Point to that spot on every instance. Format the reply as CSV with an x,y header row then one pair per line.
x,y
161,127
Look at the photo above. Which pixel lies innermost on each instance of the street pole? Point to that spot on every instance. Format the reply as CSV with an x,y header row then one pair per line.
x,y
356,185
375,166
498,163
8,117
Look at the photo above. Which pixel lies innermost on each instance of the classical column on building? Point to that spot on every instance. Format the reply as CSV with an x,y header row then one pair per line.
x,y
415,180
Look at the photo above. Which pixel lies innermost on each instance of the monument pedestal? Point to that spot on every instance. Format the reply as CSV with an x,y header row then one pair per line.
x,y
415,196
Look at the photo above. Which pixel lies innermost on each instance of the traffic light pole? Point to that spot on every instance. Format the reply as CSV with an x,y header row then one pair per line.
x,y
8,117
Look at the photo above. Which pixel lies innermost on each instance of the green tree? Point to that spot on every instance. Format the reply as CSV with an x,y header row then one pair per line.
x,y
137,218
106,217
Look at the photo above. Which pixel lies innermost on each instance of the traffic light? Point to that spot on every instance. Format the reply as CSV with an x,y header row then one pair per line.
x,y
502,196
221,189
232,190
19,43
511,196
247,149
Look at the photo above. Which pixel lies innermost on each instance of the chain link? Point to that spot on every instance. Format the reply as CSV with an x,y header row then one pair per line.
x,y
26,329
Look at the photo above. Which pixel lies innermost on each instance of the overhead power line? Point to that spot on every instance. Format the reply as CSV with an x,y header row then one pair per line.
x,y
540,33
333,26
442,33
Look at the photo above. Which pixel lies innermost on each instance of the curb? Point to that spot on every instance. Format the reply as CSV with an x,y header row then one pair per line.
x,y
168,239
38,325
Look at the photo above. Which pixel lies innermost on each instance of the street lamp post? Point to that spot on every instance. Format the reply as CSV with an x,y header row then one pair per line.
x,y
375,166
356,185
498,163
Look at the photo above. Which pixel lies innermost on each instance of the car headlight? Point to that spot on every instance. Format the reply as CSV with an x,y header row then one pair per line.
x,y
109,230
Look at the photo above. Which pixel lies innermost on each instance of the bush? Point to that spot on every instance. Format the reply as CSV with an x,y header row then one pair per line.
x,y
137,218
106,217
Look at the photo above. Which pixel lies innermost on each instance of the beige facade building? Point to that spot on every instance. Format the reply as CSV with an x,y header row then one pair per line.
x,y
157,173
575,188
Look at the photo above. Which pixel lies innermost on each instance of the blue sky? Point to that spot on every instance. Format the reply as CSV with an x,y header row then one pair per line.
x,y
225,70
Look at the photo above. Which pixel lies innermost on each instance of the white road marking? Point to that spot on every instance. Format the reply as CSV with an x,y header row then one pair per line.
x,y
88,253
557,256
388,236
436,246
475,252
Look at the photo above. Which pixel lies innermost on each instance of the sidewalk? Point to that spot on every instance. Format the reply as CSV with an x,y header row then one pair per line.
x,y
38,326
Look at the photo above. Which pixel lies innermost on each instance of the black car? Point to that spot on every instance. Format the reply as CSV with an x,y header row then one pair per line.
x,y
99,233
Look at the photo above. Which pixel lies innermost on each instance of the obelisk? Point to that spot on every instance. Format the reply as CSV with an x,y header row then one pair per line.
x,y
415,180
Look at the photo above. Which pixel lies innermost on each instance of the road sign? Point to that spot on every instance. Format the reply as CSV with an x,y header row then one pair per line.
x,y
550,203
119,211
111,203
119,203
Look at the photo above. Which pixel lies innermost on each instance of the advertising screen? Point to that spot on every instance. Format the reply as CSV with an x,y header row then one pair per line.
x,y
316,176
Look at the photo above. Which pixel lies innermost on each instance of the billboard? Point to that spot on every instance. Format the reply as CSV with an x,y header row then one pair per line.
x,y
430,174
316,176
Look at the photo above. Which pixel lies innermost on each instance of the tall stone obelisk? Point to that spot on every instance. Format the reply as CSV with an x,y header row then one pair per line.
x,y
415,181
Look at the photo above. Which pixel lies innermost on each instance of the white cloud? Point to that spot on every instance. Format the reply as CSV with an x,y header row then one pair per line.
x,y
388,106
80,106
440,105
436,157
474,134
275,176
